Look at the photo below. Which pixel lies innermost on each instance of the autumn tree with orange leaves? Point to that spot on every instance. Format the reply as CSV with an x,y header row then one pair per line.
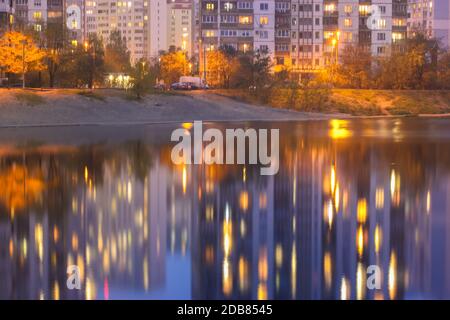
x,y
20,53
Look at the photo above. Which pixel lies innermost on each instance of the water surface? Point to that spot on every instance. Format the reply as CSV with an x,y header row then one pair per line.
x,y
349,194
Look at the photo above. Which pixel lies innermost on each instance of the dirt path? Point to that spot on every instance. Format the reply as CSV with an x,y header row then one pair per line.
x,y
68,107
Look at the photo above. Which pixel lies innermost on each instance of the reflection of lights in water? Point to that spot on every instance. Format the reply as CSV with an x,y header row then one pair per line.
x,y
332,178
327,269
80,265
86,174
243,228
187,125
328,213
39,238
244,174
90,289
55,234
262,291
263,268
24,248
377,238
184,179
262,200
74,241
293,271
209,213
243,201
55,290
338,129
360,283
11,247
392,278
361,210
279,255
379,198
243,274
145,273
227,279
129,191
360,240
428,201
392,182
345,290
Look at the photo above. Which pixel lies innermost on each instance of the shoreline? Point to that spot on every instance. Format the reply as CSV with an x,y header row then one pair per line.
x,y
103,107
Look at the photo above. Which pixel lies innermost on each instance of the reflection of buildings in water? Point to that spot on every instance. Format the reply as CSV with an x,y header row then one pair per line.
x,y
232,245
308,233
331,222
114,230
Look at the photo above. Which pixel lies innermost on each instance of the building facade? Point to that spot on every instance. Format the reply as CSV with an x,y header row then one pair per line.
x,y
306,35
430,17
180,25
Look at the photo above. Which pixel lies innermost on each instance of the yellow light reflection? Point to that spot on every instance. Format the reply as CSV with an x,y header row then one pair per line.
x,y
360,282
362,210
360,240
377,238
345,290
184,179
243,274
243,201
339,129
327,269
227,277
392,278
379,198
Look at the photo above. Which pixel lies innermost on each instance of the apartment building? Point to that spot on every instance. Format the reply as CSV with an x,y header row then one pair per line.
x,y
6,14
304,34
180,25
431,17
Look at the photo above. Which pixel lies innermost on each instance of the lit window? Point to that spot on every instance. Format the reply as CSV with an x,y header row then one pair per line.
x,y
245,19
37,15
381,23
210,6
364,9
331,7
348,8
263,20
347,22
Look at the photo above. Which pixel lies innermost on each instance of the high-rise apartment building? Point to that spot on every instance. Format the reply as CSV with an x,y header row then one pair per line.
x,y
130,18
303,34
6,14
431,17
180,25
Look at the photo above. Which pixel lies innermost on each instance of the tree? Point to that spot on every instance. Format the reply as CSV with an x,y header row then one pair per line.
x,y
173,65
220,64
141,77
117,56
354,70
20,54
415,67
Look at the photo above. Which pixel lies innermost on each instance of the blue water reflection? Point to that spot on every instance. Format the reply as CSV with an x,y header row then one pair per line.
x,y
349,194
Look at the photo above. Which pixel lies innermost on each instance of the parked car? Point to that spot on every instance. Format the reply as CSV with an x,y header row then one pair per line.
x,y
180,86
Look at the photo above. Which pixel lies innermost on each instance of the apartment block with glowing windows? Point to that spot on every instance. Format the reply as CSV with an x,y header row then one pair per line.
x,y
321,29
180,25
128,17
430,17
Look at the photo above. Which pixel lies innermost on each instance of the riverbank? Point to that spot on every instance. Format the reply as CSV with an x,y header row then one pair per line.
x,y
105,106
353,102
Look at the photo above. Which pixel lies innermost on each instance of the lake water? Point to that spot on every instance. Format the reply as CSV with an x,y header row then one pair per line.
x,y
349,195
